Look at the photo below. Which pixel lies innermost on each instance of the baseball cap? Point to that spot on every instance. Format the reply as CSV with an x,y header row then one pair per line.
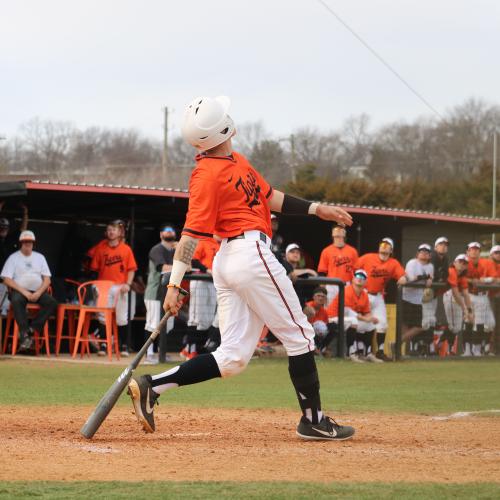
x,y
320,289
273,216
360,273
167,229
27,236
389,241
494,249
474,244
4,222
292,246
462,256
441,239
424,246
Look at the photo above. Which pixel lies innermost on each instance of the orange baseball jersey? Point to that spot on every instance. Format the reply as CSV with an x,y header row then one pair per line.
x,y
492,268
338,262
379,271
476,271
320,314
113,263
205,252
227,196
359,304
454,280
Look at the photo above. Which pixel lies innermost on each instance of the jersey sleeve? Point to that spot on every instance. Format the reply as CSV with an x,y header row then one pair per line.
x,y
203,205
131,263
8,268
365,304
333,308
452,278
361,262
95,264
398,270
323,261
45,271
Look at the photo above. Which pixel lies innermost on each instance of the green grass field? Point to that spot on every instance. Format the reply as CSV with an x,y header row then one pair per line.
x,y
418,387
413,386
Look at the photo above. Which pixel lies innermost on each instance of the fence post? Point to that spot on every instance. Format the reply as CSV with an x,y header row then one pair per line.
x,y
399,324
341,346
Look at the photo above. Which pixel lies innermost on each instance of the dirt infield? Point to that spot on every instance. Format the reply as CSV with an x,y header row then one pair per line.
x,y
43,443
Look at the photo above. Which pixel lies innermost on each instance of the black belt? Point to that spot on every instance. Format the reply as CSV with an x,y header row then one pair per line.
x,y
241,236
370,293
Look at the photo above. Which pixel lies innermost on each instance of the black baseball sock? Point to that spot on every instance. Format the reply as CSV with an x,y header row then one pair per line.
x,y
199,369
305,379
380,341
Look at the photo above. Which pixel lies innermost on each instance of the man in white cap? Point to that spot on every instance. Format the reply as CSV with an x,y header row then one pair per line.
x,y
381,267
27,275
359,322
420,270
433,315
457,302
479,271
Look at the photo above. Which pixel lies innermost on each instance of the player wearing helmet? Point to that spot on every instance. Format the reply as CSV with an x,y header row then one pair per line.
x,y
229,198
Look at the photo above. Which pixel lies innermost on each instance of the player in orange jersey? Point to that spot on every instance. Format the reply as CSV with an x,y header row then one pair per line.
x,y
317,315
229,198
456,301
337,260
479,271
358,319
381,268
114,261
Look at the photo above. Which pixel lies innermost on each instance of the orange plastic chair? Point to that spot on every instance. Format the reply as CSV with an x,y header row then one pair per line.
x,y
15,333
102,289
71,310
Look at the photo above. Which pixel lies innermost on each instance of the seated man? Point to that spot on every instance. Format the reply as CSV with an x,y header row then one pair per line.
x,y
27,275
317,315
358,320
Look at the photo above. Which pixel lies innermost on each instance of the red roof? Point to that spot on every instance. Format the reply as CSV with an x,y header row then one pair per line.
x,y
182,193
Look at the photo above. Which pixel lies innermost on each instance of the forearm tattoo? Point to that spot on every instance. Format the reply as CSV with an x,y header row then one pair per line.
x,y
185,250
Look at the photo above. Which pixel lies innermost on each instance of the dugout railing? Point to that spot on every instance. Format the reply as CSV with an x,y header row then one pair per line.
x,y
299,284
481,287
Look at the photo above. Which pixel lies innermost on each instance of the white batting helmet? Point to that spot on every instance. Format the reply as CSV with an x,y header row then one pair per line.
x,y
206,122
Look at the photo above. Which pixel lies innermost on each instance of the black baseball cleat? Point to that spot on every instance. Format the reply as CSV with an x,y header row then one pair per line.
x,y
25,340
143,399
326,430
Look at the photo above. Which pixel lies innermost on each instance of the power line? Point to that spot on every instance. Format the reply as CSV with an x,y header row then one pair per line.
x,y
381,59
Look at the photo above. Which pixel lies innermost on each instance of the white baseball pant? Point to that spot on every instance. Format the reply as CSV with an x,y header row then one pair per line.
x,y
379,311
121,307
202,304
253,290
429,313
483,314
453,311
351,321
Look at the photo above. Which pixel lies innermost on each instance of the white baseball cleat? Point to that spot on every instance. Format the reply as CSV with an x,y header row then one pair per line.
x,y
143,398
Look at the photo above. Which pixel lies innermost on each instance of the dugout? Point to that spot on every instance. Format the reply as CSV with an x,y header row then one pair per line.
x,y
69,217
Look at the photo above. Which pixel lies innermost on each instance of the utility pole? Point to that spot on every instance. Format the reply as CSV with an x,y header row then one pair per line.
x,y
494,201
292,148
164,158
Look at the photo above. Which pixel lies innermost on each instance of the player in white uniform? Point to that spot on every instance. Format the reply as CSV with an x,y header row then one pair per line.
x,y
228,197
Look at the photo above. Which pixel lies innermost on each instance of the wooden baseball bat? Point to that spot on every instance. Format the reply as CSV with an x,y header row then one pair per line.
x,y
109,399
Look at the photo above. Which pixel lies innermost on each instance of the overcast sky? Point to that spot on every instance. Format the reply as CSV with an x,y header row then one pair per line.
x,y
289,63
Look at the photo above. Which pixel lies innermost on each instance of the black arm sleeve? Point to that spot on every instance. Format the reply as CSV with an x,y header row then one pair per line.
x,y
295,206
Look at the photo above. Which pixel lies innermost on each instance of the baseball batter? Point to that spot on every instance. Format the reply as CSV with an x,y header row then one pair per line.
x,y
229,198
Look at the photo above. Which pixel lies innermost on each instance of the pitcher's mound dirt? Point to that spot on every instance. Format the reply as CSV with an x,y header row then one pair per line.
x,y
43,443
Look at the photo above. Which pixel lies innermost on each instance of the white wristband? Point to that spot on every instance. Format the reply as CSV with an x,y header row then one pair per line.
x,y
179,268
312,208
